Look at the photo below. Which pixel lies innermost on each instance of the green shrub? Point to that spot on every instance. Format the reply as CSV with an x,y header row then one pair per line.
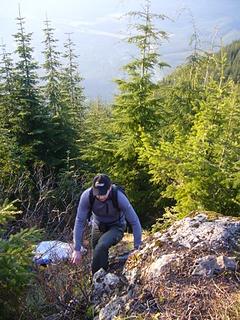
x,y
16,253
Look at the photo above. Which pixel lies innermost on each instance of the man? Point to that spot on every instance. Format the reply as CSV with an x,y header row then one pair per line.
x,y
108,221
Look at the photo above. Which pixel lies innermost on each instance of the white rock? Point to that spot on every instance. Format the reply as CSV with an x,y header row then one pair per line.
x,y
112,309
192,232
103,284
131,275
160,264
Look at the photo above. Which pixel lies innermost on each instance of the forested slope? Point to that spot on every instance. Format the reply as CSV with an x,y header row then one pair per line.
x,y
174,145
232,69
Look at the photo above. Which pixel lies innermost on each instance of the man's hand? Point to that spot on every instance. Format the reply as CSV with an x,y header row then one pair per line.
x,y
76,257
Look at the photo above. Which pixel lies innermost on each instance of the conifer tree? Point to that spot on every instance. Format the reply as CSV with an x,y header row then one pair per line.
x,y
196,154
15,264
71,85
52,66
7,104
135,106
96,141
62,136
29,115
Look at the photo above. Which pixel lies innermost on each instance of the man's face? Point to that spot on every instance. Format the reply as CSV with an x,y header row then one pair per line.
x,y
105,196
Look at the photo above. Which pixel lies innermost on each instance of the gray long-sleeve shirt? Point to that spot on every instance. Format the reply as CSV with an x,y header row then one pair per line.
x,y
105,212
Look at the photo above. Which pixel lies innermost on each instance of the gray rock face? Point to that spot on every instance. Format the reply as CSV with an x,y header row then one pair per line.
x,y
200,231
210,265
112,309
103,284
160,264
206,243
205,266
226,263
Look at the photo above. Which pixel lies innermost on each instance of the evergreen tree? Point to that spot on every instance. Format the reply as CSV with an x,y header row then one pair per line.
x,y
6,90
29,121
62,137
71,86
196,153
232,69
135,108
15,262
52,66
96,141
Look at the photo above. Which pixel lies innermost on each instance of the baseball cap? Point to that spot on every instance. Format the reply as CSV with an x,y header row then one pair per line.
x,y
101,184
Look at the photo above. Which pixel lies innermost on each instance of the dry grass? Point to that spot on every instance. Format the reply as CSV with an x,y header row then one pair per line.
x,y
60,291
178,295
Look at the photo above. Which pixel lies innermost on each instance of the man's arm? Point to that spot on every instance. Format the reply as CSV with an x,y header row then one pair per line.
x,y
80,221
131,217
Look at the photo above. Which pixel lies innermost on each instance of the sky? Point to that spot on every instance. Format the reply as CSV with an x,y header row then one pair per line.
x,y
98,29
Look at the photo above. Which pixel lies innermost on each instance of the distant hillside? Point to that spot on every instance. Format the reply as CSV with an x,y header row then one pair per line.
x,y
233,61
232,66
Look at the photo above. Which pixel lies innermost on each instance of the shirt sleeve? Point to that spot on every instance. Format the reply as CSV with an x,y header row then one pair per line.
x,y
80,221
131,217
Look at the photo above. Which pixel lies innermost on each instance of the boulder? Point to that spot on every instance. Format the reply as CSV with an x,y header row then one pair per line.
x,y
201,231
159,265
210,265
112,309
103,284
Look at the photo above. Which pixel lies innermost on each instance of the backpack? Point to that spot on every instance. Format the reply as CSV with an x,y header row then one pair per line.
x,y
115,189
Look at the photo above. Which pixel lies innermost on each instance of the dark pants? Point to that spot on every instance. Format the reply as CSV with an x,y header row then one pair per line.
x,y
101,242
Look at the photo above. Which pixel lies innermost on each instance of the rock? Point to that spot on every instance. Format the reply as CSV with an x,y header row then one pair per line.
x,y
98,276
196,243
103,284
131,275
210,265
112,309
226,263
200,231
111,281
158,266
205,266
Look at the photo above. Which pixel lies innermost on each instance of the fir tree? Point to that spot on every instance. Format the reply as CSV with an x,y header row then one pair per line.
x,y
7,104
29,115
196,154
52,71
71,85
15,262
96,141
62,136
135,107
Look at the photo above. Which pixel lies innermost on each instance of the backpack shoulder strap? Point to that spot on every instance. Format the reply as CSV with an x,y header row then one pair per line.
x,y
115,196
91,202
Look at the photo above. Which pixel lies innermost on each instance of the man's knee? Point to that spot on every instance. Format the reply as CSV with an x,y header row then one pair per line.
x,y
102,246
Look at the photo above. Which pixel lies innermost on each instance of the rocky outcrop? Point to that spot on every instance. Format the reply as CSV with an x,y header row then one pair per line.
x,y
178,274
200,231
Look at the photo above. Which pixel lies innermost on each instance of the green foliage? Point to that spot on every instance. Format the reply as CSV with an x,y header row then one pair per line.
x,y
134,112
39,126
61,134
232,68
195,153
163,223
71,86
15,260
97,139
